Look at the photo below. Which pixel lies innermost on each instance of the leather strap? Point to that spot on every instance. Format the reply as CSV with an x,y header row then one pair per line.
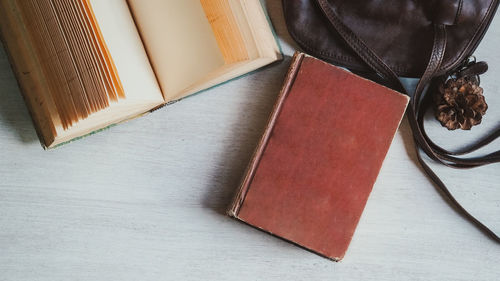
x,y
419,105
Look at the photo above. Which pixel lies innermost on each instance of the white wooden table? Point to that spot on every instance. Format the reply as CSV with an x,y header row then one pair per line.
x,y
145,200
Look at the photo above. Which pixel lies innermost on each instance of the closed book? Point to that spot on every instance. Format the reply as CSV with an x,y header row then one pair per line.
x,y
315,166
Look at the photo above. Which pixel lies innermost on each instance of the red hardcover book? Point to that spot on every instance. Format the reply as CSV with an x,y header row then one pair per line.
x,y
320,155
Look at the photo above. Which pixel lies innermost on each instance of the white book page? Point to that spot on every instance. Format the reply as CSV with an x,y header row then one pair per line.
x,y
179,40
128,53
141,88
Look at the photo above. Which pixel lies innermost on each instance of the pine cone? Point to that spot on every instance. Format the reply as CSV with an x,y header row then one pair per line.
x,y
460,104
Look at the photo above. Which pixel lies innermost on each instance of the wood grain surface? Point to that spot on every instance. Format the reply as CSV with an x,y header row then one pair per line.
x,y
145,200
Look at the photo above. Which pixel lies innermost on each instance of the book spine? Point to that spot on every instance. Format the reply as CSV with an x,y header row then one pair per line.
x,y
13,37
254,163
273,30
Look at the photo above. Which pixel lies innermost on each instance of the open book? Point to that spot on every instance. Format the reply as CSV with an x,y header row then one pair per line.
x,y
83,65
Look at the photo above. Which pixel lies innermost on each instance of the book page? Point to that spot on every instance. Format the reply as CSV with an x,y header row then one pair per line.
x,y
141,89
179,40
125,46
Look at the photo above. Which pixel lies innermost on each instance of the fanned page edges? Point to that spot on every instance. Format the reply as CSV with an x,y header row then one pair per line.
x,y
226,31
76,64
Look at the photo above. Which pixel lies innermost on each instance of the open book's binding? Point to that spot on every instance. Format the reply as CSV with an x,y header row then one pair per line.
x,y
152,110
256,214
7,35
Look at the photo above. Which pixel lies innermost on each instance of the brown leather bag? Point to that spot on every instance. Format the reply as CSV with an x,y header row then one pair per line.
x,y
391,38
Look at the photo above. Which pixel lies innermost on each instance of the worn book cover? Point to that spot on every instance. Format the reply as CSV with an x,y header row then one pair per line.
x,y
314,168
